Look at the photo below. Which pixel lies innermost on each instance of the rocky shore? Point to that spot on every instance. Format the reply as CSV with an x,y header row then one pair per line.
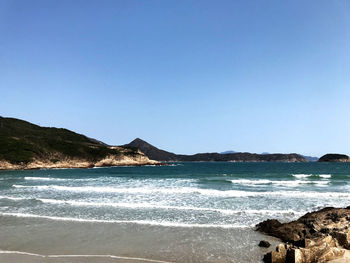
x,y
110,160
320,236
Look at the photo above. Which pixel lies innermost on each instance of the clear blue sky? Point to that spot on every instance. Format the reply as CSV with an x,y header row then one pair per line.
x,y
187,76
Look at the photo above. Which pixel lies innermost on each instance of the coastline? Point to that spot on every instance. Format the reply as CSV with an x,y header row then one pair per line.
x,y
19,256
109,161
191,212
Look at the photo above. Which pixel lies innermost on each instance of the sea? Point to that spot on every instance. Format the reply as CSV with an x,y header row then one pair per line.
x,y
181,212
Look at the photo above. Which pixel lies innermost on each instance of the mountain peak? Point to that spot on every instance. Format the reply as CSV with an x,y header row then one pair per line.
x,y
138,140
139,143
150,150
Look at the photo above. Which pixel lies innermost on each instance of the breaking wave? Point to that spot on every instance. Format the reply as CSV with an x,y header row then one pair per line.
x,y
303,176
137,222
187,190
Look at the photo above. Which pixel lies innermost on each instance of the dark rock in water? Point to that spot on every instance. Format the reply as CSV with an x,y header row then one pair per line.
x,y
269,226
264,243
277,256
332,157
315,237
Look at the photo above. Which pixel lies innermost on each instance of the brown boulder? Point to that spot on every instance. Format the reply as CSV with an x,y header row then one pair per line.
x,y
315,237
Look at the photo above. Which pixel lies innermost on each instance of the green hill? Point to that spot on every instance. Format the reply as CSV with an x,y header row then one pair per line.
x,y
22,142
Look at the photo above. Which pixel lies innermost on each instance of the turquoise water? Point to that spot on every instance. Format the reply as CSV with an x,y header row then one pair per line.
x,y
186,195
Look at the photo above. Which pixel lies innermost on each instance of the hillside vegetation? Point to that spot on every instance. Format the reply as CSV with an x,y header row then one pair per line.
x,y
22,142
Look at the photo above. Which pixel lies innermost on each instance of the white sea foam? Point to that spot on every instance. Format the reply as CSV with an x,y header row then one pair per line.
x,y
296,183
137,222
142,190
83,256
325,175
109,256
248,182
189,190
322,183
156,206
288,183
21,253
12,198
33,178
45,179
302,175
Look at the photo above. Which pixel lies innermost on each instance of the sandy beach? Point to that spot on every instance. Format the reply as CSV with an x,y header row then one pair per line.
x,y
41,240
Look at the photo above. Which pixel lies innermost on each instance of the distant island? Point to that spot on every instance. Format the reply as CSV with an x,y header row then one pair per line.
x,y
160,155
334,157
24,145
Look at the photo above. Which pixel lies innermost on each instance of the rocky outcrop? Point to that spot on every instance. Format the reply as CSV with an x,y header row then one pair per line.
x,y
333,157
110,160
319,236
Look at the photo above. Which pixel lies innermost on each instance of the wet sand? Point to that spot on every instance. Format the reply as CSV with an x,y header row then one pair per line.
x,y
22,257
124,242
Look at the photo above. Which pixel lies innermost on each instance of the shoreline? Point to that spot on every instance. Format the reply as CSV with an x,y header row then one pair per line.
x,y
125,242
6,166
16,255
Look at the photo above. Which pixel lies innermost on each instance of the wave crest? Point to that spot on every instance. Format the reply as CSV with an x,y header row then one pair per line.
x,y
188,190
136,222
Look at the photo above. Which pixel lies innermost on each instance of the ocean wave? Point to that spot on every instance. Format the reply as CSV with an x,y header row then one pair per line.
x,y
156,206
137,222
13,198
303,176
325,175
33,178
289,183
142,190
188,190
214,180
46,179
247,181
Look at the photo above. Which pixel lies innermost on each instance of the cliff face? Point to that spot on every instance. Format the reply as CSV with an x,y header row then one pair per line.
x,y
24,145
160,155
332,157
